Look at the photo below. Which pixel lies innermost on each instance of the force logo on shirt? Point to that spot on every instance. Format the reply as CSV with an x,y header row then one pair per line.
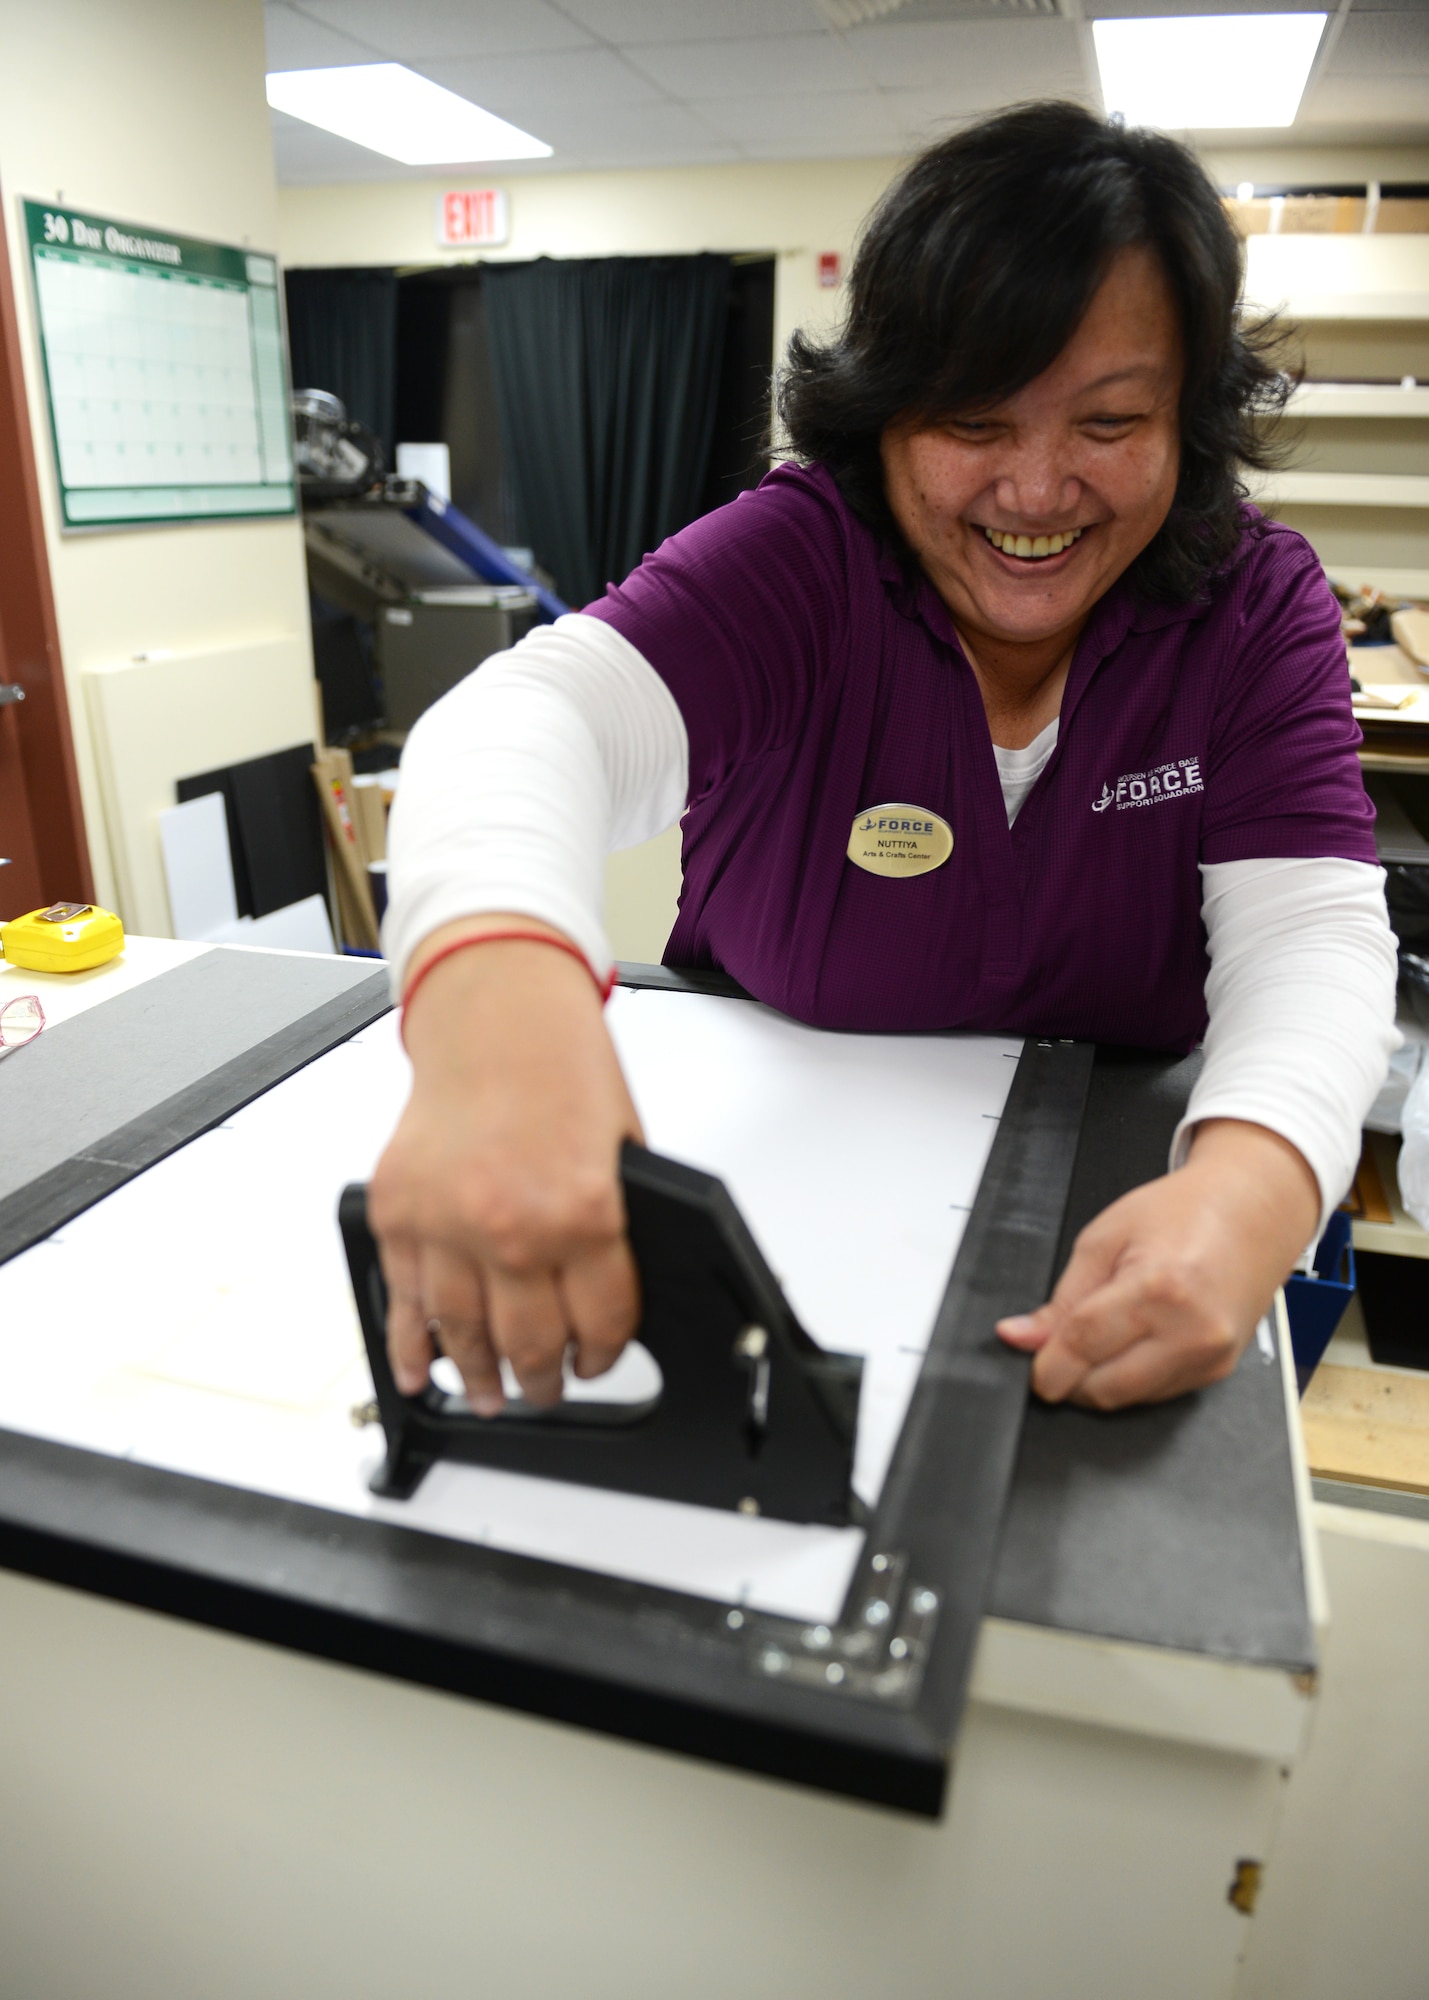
x,y
899,840
1149,788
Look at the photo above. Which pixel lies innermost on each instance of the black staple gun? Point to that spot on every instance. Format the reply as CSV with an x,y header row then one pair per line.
x,y
751,1415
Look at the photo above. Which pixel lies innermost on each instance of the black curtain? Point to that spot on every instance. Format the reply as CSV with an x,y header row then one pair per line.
x,y
342,336
739,454
446,391
607,374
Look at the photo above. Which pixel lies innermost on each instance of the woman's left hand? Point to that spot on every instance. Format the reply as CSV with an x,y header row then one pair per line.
x,y
1164,1289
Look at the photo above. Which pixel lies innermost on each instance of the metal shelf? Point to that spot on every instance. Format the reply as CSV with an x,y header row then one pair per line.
x,y
1346,305
1357,399
1393,582
1343,489
1344,278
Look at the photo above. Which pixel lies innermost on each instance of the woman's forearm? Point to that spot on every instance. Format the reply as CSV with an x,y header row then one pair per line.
x,y
1301,1000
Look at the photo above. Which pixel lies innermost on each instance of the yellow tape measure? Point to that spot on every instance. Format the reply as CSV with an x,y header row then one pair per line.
x,y
67,937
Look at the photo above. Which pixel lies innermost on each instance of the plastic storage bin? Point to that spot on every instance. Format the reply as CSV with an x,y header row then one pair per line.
x,y
1394,1298
1315,1304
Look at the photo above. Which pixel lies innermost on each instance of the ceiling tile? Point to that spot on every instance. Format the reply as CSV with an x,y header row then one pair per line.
x,y
700,70
811,127
689,80
295,41
419,29
634,21
1140,10
1032,58
623,149
1371,132
923,116
526,85
304,156
1341,100
793,144
665,131
1383,44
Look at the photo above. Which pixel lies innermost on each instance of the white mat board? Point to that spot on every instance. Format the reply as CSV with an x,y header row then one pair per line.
x,y
200,1318
198,867
218,708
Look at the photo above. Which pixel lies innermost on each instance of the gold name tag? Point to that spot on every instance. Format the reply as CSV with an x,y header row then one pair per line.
x,y
899,840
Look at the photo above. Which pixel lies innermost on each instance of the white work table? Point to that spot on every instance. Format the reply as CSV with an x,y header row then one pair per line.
x,y
305,1775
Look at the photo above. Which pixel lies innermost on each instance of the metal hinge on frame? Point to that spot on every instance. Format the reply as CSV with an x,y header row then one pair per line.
x,y
879,1651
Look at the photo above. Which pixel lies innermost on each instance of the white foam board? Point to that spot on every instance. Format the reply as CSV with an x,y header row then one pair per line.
x,y
226,1342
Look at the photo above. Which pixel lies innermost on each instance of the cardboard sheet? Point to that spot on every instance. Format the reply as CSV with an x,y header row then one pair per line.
x,y
200,1318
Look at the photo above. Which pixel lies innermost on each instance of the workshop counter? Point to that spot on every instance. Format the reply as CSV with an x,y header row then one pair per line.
x,y
232,1776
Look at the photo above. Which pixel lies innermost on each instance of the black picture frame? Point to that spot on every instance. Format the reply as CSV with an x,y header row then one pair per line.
x,y
868,1707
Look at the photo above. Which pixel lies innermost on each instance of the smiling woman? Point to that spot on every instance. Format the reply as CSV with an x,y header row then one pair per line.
x,y
979,269
1007,594
1086,456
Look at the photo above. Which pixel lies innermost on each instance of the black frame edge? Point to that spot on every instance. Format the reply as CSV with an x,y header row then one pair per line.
x,y
679,979
211,1554
518,1650
945,1516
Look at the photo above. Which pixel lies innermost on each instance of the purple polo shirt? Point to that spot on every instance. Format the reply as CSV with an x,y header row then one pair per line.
x,y
815,682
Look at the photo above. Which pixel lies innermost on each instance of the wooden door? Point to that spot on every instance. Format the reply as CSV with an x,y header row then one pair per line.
x,y
42,838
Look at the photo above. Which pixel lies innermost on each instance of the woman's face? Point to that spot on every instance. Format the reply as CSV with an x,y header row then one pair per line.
x,y
1024,514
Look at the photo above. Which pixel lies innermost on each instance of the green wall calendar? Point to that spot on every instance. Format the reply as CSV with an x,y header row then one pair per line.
x,y
166,370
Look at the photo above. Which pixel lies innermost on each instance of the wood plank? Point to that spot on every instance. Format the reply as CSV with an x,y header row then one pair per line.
x,y
1400,1236
1371,1201
1370,1425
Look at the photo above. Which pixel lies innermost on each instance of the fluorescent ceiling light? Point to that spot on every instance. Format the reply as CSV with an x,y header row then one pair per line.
x,y
390,109
1196,72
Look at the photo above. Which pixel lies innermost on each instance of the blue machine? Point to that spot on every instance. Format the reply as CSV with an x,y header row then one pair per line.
x,y
437,594
396,537
462,538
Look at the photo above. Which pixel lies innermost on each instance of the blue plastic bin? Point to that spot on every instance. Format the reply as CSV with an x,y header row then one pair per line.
x,y
1315,1305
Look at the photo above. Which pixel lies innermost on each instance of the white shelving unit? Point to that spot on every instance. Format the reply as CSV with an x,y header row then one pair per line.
x,y
1357,486
1404,305
1339,277
1343,489
1357,399
1393,582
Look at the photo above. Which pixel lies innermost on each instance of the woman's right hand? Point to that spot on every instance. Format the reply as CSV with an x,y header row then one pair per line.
x,y
497,1206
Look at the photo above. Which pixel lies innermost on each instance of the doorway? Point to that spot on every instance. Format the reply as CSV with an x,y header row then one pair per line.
x,y
447,390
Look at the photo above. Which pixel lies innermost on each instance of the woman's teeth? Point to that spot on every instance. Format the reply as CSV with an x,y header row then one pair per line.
x,y
1032,548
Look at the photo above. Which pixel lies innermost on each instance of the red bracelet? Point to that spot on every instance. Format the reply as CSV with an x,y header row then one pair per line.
x,y
603,987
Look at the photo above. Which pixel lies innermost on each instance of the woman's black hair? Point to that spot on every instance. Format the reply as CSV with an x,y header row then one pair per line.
x,y
976,270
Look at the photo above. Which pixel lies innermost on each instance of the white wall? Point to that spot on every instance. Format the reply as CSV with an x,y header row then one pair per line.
x,y
796,209
151,111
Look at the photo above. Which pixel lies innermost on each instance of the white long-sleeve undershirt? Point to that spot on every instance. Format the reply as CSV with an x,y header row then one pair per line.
x,y
517,784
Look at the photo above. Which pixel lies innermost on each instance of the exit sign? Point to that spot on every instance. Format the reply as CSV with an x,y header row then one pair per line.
x,y
470,218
